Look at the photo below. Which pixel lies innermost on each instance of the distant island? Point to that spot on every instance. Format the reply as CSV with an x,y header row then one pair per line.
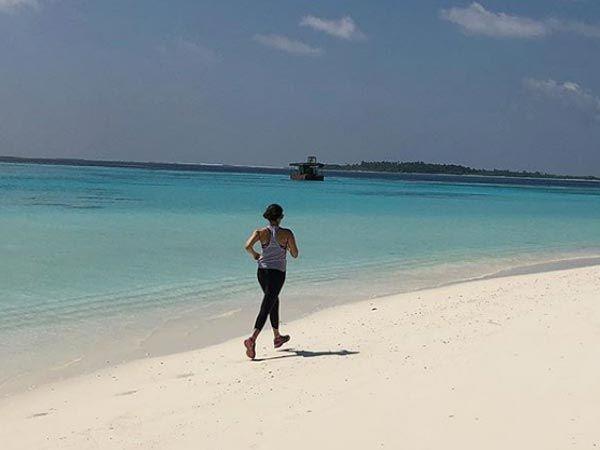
x,y
364,167
444,169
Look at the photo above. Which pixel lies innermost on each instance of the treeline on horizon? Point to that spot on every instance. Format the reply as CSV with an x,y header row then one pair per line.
x,y
415,167
443,169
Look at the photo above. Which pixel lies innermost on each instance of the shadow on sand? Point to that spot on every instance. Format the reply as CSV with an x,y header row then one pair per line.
x,y
291,353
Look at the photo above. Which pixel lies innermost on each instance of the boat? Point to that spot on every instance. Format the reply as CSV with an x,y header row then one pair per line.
x,y
307,171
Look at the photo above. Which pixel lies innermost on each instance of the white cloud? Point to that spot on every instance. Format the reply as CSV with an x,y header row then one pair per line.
x,y
286,44
344,28
14,5
475,19
568,93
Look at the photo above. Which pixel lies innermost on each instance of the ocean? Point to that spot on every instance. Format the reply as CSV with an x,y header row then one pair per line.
x,y
101,265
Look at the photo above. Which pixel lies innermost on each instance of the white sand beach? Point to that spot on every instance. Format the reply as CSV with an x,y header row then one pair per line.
x,y
504,363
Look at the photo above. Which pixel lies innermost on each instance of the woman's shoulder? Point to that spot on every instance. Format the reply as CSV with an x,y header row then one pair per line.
x,y
265,231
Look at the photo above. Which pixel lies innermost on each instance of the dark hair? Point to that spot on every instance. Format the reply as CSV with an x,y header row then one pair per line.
x,y
273,212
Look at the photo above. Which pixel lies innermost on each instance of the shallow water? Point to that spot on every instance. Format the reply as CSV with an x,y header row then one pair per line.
x,y
92,256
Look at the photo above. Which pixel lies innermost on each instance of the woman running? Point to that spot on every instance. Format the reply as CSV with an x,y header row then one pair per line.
x,y
275,243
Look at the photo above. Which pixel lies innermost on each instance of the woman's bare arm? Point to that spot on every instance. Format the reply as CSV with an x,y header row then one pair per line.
x,y
249,247
291,245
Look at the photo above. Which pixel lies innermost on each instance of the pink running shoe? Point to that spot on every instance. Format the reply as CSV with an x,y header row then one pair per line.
x,y
250,345
279,341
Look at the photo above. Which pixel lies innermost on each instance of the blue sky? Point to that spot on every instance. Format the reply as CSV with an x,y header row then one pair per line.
x,y
507,84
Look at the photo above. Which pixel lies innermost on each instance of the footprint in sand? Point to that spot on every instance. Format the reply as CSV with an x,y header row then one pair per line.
x,y
185,375
122,394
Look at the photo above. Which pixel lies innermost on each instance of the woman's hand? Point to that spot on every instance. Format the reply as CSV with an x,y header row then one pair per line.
x,y
256,256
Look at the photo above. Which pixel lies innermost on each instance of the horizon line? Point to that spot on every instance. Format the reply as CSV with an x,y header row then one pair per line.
x,y
182,166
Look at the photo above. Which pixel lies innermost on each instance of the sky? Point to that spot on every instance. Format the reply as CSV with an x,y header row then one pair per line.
x,y
490,84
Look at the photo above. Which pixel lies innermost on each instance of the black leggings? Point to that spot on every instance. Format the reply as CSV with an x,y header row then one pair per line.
x,y
271,281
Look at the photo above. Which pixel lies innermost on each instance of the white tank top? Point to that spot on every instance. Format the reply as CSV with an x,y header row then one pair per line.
x,y
273,254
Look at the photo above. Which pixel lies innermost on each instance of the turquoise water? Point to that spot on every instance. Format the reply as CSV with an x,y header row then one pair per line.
x,y
90,253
